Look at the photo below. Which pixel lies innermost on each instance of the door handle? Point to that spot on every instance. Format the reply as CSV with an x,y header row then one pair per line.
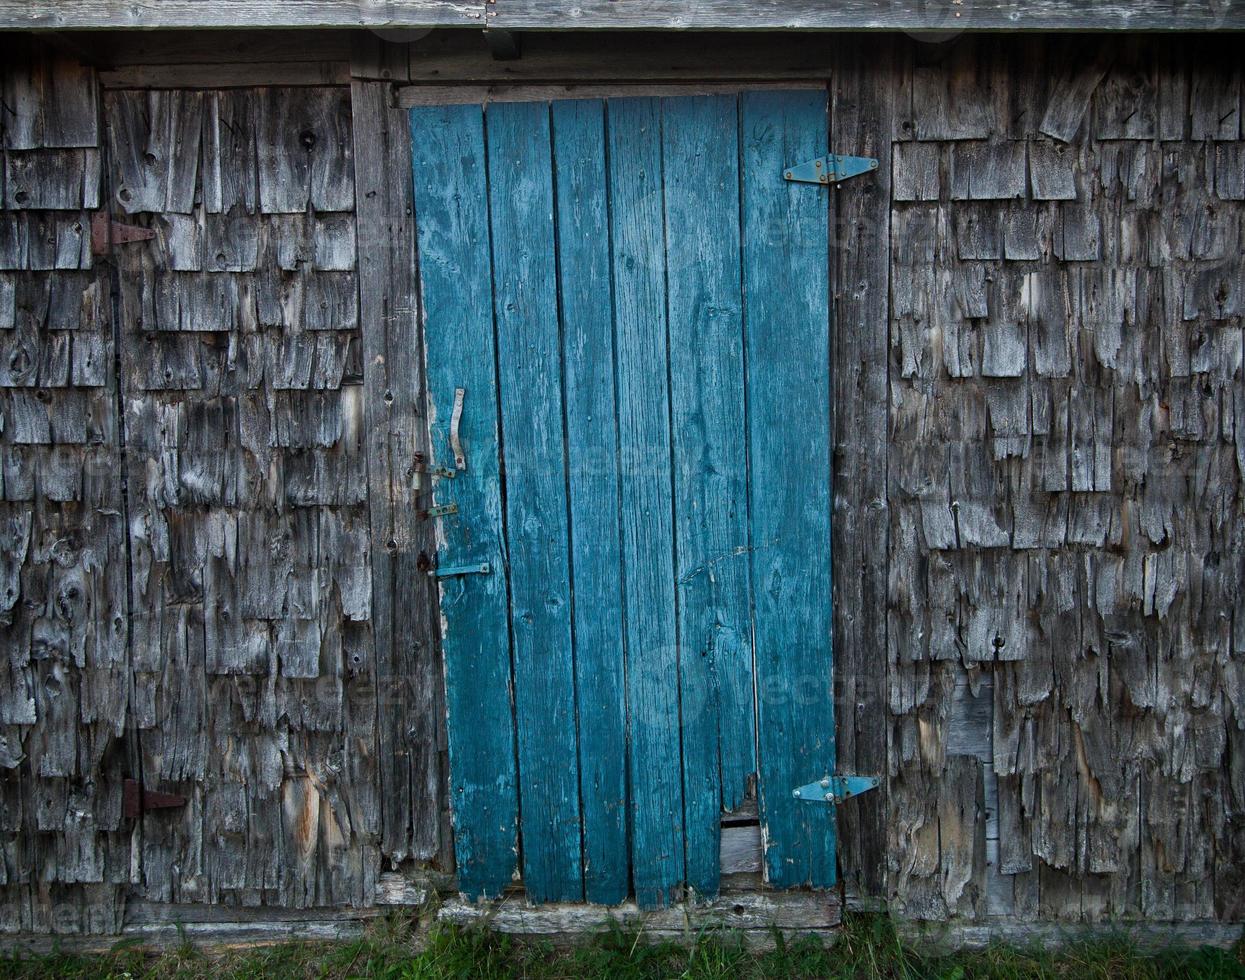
x,y
456,443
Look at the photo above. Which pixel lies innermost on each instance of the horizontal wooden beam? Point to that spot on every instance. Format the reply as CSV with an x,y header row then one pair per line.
x,y
89,15
905,15
227,75
755,915
410,96
546,56
561,15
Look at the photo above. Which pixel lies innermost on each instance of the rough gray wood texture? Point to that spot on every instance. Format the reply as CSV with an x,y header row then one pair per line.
x,y
1049,15
64,850
68,15
862,108
1065,483
1084,15
405,622
254,675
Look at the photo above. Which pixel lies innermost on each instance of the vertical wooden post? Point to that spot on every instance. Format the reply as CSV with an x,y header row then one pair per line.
x,y
860,124
410,696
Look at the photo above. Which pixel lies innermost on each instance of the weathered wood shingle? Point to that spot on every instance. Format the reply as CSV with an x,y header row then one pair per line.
x,y
63,848
249,529
1065,481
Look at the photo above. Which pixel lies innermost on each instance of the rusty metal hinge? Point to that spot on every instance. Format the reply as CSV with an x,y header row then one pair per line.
x,y
105,232
135,800
437,510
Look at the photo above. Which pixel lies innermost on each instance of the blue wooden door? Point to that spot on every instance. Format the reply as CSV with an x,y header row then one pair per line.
x,y
626,317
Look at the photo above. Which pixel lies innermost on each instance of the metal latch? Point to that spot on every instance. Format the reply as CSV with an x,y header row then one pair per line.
x,y
451,571
420,470
830,169
135,800
836,789
105,231
439,510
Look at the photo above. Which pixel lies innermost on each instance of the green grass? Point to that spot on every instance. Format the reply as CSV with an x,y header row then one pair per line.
x,y
868,947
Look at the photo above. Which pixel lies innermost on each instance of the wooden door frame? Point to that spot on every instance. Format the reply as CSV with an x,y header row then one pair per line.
x,y
862,121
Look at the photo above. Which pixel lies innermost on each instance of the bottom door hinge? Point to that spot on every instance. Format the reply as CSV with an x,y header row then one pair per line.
x,y
836,789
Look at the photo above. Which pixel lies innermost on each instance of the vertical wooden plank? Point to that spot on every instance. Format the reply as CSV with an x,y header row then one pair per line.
x,y
592,483
861,116
701,186
636,231
407,669
525,305
453,239
786,316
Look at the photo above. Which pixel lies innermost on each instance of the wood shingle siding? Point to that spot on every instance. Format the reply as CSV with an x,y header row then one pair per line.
x,y
64,672
1066,483
211,576
254,692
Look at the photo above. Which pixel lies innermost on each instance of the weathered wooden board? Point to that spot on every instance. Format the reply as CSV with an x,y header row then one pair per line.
x,y
1077,15
407,773
637,231
799,912
228,74
446,57
417,95
114,50
90,15
1074,15
787,327
451,206
592,486
862,115
700,162
529,373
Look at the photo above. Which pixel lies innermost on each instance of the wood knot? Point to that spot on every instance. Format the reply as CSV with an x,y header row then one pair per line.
x,y
307,138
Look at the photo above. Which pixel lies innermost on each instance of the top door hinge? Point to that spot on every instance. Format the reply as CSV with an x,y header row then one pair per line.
x,y
830,169
835,789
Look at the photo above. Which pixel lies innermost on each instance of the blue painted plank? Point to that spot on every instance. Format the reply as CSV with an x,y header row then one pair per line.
x,y
457,306
592,452
701,166
786,316
525,304
638,261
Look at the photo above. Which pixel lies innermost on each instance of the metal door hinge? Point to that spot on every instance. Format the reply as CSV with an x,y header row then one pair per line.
x,y
450,571
830,169
106,232
135,800
440,510
836,789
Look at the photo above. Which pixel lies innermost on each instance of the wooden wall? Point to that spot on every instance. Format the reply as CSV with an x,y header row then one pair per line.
x,y
1066,454
64,680
205,390
211,570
